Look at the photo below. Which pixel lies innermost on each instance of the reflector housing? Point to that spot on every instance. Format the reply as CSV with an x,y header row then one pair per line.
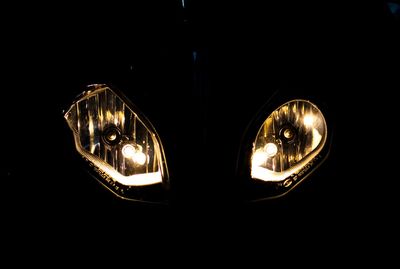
x,y
118,142
287,143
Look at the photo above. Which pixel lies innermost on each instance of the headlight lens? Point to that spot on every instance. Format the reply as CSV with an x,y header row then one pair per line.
x,y
121,145
288,142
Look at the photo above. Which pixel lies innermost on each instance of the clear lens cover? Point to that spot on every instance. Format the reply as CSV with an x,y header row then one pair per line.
x,y
287,142
121,145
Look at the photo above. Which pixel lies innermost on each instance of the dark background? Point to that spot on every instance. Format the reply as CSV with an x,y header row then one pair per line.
x,y
201,74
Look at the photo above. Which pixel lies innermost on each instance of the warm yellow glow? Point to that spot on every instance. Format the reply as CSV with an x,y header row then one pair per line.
x,y
271,150
261,155
91,126
298,122
139,158
259,158
107,162
91,135
121,118
128,151
309,120
316,138
109,116
267,175
133,180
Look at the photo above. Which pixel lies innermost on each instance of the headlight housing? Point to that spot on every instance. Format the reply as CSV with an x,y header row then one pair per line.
x,y
287,141
117,141
285,148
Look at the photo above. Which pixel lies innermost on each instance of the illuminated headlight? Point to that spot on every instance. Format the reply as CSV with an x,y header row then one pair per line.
x,y
288,143
119,143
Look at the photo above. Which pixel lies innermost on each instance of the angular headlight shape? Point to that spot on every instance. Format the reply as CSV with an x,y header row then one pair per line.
x,y
118,142
288,143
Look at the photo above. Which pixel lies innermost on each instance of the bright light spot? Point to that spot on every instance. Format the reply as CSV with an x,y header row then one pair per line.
x,y
128,151
316,139
309,120
259,158
139,157
271,150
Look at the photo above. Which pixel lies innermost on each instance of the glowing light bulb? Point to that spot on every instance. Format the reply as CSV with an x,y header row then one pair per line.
x,y
128,151
139,157
271,150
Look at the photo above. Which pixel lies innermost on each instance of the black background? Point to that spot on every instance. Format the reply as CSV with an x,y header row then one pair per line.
x,y
344,55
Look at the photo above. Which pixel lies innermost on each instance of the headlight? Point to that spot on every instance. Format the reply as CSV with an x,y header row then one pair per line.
x,y
289,145
118,142
289,139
